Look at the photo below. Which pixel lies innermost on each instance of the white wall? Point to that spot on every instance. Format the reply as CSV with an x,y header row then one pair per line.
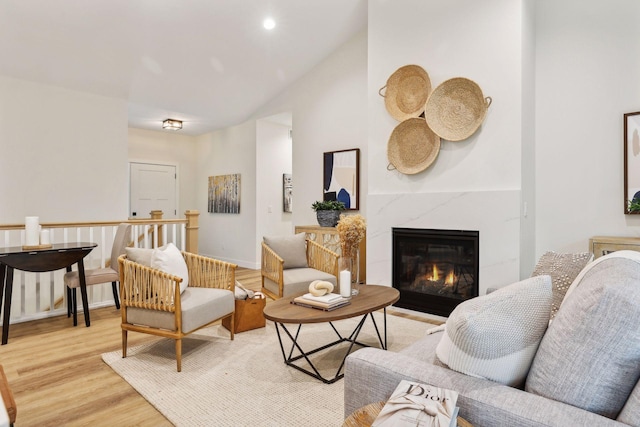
x,y
587,77
273,158
171,148
328,107
230,237
474,184
64,154
329,113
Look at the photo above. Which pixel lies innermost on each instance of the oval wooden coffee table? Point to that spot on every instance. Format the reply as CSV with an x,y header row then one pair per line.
x,y
370,299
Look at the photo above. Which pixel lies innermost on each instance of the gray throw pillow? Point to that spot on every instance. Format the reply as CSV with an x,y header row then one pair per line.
x,y
563,269
139,255
496,336
292,249
589,356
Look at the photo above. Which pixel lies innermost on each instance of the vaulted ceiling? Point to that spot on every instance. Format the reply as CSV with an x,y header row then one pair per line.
x,y
210,63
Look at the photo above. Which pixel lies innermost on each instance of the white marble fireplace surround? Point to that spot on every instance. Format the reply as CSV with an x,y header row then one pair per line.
x,y
495,214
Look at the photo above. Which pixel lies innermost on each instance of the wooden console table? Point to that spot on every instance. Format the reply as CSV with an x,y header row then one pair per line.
x,y
328,237
602,245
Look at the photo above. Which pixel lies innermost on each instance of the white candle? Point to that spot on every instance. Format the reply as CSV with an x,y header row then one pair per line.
x,y
32,231
45,238
345,283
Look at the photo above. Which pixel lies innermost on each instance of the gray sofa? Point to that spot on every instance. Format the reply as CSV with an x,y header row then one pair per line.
x,y
587,363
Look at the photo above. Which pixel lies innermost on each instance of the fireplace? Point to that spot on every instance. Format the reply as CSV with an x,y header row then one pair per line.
x,y
434,270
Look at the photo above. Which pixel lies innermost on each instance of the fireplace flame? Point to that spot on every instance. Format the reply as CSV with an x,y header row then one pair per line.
x,y
434,276
450,278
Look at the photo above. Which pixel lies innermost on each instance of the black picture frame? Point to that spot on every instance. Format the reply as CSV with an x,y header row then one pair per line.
x,y
341,177
631,132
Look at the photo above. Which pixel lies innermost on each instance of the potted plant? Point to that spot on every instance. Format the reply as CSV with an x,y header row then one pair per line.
x,y
633,205
328,212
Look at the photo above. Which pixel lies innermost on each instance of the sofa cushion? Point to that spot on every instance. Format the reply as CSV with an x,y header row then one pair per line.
x,y
563,269
200,306
297,280
496,336
169,259
590,355
292,249
630,413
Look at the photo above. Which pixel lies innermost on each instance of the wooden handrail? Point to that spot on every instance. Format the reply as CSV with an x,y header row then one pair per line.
x,y
95,224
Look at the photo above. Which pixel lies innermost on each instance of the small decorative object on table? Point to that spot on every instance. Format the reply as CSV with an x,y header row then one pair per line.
x,y
34,236
351,229
414,404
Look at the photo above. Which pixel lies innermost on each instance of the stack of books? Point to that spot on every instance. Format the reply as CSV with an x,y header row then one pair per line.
x,y
326,302
419,405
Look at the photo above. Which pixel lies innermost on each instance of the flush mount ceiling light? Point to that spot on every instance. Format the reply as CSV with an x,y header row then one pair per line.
x,y
172,124
269,24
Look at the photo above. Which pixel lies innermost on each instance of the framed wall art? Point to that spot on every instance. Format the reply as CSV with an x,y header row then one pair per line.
x,y
287,193
632,163
341,177
224,194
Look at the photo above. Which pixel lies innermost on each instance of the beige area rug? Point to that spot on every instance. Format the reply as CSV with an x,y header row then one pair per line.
x,y
245,382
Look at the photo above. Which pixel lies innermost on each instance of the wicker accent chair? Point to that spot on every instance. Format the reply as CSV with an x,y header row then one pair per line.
x,y
152,303
290,264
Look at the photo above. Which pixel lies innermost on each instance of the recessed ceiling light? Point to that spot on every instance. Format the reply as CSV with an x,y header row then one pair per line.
x,y
269,24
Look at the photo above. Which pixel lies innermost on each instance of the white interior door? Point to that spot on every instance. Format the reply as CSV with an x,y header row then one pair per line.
x,y
152,187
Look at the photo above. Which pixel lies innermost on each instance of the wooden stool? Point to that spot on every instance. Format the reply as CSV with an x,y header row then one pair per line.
x,y
366,415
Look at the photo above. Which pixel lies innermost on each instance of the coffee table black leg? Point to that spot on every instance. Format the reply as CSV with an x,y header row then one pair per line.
x,y
8,288
83,291
305,354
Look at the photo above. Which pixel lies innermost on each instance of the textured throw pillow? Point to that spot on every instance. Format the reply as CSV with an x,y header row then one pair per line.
x,y
589,357
292,249
169,259
139,255
563,269
496,336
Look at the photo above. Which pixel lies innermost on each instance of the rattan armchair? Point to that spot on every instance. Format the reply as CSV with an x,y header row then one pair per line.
x,y
278,281
152,303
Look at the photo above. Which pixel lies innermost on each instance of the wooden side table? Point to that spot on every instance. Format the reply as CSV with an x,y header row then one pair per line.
x,y
366,415
602,245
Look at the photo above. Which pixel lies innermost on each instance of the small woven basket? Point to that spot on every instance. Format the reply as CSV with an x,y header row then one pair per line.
x,y
456,109
407,90
412,146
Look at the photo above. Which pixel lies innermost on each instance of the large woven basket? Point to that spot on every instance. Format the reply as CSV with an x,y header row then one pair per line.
x,y
407,90
412,146
456,109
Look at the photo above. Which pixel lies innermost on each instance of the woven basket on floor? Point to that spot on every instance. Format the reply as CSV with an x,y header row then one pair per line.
x,y
407,90
456,109
412,146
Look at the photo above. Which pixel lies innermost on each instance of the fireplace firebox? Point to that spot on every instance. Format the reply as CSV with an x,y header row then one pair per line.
x,y
435,270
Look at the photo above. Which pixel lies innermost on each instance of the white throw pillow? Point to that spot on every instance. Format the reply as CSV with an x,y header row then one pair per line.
x,y
169,259
496,336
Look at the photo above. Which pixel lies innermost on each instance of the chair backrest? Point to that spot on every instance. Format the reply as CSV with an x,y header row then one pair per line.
x,y
120,242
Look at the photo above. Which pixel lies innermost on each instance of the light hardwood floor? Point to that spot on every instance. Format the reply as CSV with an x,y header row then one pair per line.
x,y
58,378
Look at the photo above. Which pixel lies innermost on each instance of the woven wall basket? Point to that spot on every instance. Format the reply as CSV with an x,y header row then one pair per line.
x,y
412,146
456,109
407,90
